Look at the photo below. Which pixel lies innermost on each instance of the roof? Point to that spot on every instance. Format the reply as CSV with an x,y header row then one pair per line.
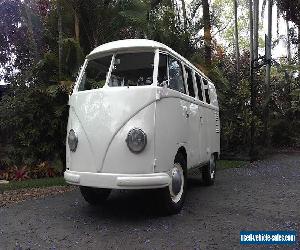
x,y
134,44
138,44
129,44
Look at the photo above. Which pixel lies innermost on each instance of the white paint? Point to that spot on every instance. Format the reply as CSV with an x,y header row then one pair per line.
x,y
103,117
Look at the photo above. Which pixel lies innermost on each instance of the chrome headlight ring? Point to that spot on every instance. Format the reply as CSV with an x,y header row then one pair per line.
x,y
136,140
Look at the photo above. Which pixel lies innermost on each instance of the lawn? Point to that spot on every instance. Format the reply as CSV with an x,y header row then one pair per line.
x,y
225,164
35,183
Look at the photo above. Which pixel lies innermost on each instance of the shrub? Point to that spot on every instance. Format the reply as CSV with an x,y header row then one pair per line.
x,y
21,174
281,132
41,170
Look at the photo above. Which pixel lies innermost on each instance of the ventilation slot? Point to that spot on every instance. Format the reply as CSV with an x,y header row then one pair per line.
x,y
217,122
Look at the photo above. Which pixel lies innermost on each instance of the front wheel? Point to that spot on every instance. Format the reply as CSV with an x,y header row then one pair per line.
x,y
95,196
173,196
209,171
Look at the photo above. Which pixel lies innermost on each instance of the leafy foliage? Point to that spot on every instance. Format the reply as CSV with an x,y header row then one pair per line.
x,y
290,9
33,112
14,173
21,174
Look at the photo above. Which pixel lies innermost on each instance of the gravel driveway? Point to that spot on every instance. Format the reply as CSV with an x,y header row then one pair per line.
x,y
262,196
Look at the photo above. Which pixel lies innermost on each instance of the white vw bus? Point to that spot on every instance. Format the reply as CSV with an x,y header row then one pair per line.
x,y
141,116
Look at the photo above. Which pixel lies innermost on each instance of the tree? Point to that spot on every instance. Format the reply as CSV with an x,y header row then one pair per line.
x,y
43,43
18,38
252,85
34,111
33,44
288,42
291,11
255,28
184,14
207,33
236,36
268,71
60,34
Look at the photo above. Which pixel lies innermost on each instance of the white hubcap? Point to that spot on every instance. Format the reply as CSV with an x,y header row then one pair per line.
x,y
178,178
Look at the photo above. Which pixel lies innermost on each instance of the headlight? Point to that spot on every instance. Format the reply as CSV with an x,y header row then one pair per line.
x,y
72,140
136,140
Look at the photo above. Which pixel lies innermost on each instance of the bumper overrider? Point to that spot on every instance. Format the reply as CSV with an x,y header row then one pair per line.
x,y
117,181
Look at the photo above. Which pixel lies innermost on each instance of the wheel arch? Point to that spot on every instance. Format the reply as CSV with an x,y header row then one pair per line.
x,y
182,151
216,155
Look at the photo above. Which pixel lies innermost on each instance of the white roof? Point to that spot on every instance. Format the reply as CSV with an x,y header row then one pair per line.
x,y
129,44
137,44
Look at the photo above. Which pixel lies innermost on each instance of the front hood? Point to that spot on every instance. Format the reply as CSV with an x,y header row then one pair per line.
x,y
97,115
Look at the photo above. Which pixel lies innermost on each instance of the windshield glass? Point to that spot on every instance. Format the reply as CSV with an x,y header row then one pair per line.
x,y
132,69
94,75
128,69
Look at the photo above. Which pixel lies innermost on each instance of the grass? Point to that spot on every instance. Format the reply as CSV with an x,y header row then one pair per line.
x,y
225,164
35,183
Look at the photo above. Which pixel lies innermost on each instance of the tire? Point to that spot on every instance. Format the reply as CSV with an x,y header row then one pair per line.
x,y
209,171
172,203
95,196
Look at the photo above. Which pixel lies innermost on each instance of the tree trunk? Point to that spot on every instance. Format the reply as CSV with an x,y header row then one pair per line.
x,y
277,22
299,45
256,27
176,10
184,15
252,86
237,49
76,23
207,32
59,27
288,43
251,28
268,73
32,41
62,153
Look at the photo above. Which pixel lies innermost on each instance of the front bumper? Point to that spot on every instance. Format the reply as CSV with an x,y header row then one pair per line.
x,y
117,181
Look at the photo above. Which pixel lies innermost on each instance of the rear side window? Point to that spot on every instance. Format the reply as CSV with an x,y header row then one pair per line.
x,y
206,91
189,81
199,86
176,77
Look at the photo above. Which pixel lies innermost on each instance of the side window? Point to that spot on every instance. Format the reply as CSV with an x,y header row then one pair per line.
x,y
199,86
176,76
189,79
162,68
206,91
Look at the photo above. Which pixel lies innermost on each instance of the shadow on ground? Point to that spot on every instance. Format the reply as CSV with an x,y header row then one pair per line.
x,y
136,204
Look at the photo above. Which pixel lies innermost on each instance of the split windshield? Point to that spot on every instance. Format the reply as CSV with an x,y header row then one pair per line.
x,y
127,69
